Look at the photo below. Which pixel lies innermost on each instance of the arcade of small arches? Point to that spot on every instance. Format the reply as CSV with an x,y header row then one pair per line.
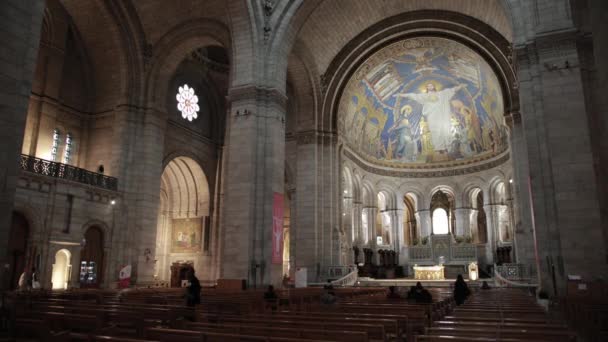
x,y
475,214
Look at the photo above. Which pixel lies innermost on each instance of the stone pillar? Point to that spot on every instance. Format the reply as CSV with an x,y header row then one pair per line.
x,y
293,194
305,250
20,36
396,216
599,27
142,188
523,229
255,162
425,224
358,239
565,205
347,219
462,222
491,232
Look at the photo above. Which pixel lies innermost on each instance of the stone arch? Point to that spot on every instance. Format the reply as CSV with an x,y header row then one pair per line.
x,y
171,49
93,256
386,203
103,226
61,270
493,194
108,51
184,231
305,91
32,215
327,21
442,208
480,37
411,230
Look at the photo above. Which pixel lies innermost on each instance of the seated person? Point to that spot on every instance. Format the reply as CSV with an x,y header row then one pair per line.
x,y
392,293
411,295
328,297
270,297
422,295
461,290
329,285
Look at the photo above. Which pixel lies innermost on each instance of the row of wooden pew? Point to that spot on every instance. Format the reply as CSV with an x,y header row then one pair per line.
x,y
589,316
498,315
159,315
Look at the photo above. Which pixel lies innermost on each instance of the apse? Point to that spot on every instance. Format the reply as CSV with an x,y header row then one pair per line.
x,y
423,102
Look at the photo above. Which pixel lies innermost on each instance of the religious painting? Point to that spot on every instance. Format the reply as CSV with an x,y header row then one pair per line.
x,y
423,100
186,235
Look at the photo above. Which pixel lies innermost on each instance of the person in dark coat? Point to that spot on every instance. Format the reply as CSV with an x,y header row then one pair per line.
x,y
422,295
392,293
270,297
194,290
461,290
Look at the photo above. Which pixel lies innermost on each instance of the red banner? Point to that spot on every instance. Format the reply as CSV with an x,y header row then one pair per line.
x,y
277,229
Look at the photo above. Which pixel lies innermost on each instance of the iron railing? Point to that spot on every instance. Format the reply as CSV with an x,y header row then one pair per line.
x,y
67,172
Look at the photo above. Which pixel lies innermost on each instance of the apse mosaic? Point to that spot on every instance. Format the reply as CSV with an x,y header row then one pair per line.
x,y
423,100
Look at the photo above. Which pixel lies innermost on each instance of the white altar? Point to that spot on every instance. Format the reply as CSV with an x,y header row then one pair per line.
x,y
428,272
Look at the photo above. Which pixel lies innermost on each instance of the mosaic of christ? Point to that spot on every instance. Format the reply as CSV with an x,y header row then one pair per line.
x,y
423,100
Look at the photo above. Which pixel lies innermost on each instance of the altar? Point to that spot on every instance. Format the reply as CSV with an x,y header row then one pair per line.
x,y
428,272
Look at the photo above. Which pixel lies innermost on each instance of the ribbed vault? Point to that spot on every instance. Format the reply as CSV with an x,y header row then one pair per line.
x,y
186,189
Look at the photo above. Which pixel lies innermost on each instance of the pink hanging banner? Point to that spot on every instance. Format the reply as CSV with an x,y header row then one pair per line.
x,y
277,228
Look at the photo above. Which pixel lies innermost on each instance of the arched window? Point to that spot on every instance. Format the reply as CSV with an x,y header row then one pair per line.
x,y
444,201
440,221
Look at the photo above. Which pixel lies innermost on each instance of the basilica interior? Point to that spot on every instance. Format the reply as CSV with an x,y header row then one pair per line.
x,y
296,143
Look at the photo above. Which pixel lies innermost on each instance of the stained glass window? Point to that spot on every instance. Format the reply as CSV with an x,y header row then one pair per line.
x,y
68,148
55,147
187,102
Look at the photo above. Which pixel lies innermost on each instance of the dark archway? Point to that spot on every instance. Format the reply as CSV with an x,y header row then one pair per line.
x,y
92,258
17,250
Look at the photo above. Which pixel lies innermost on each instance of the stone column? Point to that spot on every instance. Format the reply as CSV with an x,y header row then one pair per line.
x,y
142,187
564,204
292,228
396,216
20,36
462,222
523,229
425,224
255,162
398,239
491,232
347,218
305,250
358,239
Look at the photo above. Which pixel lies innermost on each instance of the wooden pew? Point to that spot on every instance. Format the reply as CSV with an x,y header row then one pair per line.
x,y
174,335
374,331
272,331
536,334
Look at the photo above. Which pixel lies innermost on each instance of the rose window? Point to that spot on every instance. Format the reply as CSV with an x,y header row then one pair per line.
x,y
187,102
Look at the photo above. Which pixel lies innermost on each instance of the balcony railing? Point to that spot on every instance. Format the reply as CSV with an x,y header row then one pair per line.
x,y
67,172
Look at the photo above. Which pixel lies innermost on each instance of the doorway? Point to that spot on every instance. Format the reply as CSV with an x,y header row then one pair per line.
x,y
62,269
91,259
19,233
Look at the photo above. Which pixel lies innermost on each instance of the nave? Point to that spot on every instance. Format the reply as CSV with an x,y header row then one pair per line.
x,y
359,314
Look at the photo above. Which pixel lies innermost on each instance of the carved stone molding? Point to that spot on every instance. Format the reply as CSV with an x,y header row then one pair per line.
x,y
315,137
431,173
261,95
